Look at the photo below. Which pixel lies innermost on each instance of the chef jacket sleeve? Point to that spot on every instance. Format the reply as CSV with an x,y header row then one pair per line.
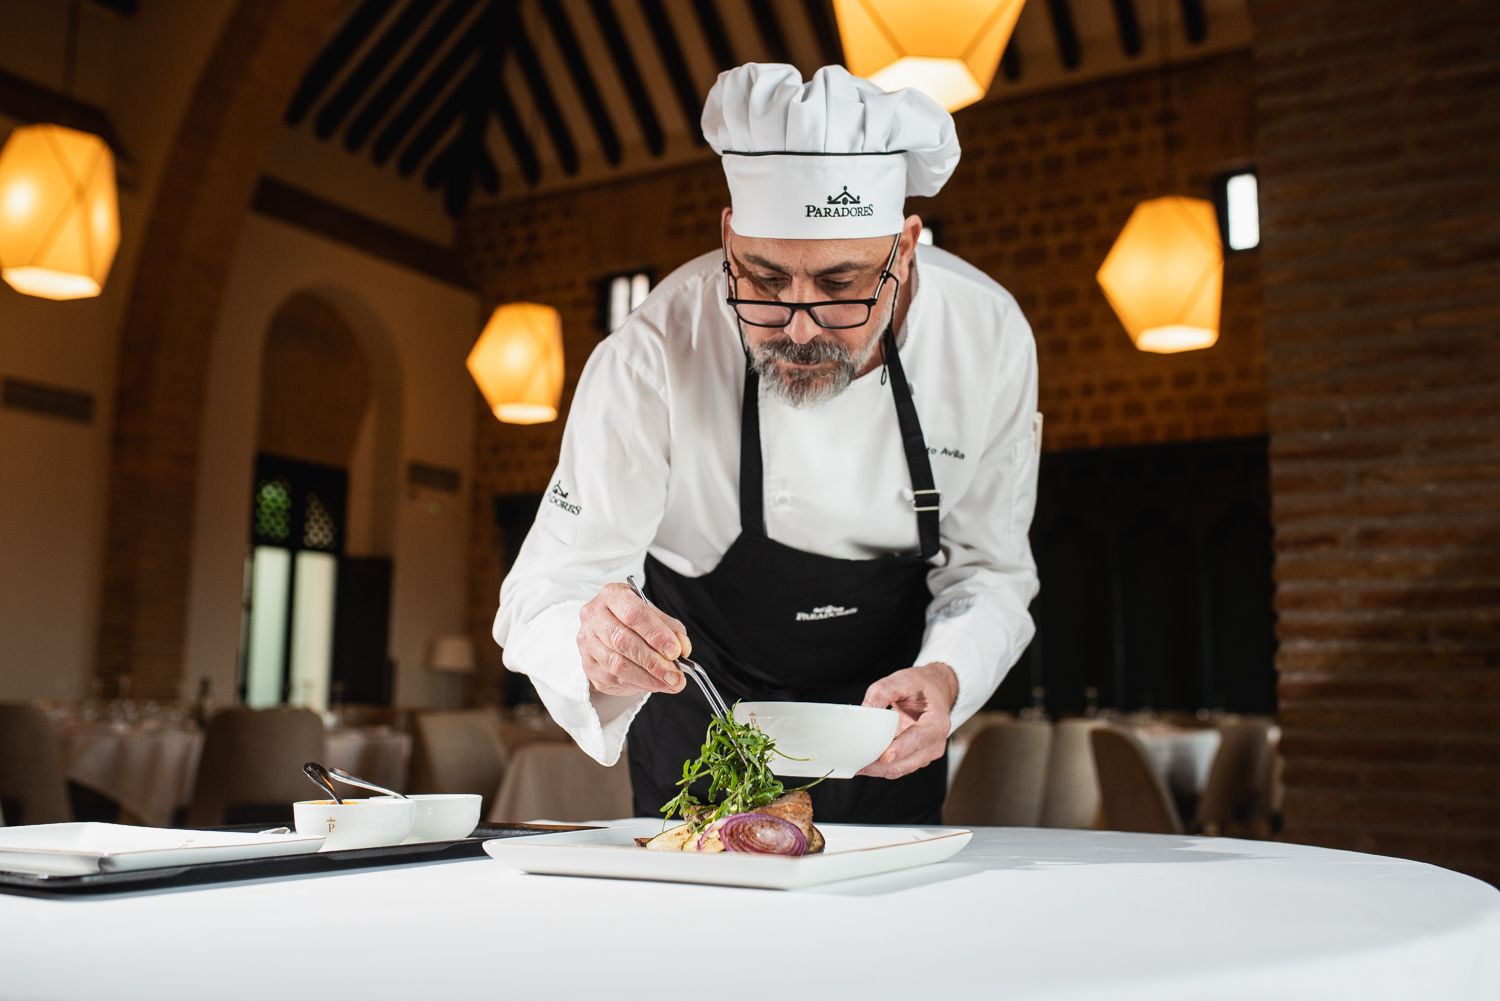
x,y
600,513
978,621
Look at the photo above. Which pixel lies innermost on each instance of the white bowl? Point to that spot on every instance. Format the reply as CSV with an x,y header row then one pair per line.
x,y
356,823
832,740
444,816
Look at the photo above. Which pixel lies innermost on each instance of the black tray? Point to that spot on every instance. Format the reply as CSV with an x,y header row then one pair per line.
x,y
180,877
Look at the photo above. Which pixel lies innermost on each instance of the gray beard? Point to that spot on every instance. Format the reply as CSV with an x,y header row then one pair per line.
x,y
809,387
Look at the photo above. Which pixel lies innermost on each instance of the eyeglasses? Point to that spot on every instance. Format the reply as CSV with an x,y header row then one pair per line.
x,y
830,314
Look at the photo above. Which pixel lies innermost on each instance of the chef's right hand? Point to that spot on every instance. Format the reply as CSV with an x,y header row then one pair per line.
x,y
629,646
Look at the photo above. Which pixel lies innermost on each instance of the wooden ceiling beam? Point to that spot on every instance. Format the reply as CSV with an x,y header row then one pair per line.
x,y
583,81
1129,27
396,130
1194,21
521,50
830,46
769,26
689,101
375,62
630,75
1065,32
1010,61
395,85
335,54
712,24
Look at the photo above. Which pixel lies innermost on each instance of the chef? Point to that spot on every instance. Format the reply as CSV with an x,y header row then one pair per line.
x,y
816,444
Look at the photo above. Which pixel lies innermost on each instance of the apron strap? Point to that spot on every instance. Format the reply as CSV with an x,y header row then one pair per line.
x,y
752,475
923,487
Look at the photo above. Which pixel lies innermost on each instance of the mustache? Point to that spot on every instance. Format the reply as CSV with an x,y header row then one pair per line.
x,y
815,352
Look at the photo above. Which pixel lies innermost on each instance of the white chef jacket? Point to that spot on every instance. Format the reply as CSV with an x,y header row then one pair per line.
x,y
650,463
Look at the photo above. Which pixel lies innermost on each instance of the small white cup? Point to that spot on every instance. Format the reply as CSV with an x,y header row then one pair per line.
x,y
356,823
444,816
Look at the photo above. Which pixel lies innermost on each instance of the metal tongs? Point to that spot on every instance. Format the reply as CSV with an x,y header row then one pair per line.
x,y
692,669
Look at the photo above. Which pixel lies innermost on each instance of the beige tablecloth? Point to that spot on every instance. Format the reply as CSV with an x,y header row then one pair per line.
x,y
550,780
148,770
377,753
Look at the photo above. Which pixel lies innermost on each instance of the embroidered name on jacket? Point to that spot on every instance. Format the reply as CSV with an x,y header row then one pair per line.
x,y
559,498
826,612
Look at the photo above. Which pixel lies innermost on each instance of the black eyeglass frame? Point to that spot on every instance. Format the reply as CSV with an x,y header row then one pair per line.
x,y
792,307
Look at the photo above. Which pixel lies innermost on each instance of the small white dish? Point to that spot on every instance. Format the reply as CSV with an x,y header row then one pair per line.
x,y
356,823
82,849
816,739
443,816
611,852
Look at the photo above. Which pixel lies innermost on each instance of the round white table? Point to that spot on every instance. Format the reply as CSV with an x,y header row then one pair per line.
x,y
1018,914
1182,756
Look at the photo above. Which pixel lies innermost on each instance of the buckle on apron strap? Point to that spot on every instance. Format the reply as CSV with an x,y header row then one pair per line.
x,y
916,495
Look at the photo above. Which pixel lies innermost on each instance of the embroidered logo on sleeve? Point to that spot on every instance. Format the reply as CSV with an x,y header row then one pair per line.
x,y
558,497
826,612
952,453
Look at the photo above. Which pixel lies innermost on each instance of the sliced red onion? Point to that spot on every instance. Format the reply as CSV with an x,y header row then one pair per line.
x,y
761,834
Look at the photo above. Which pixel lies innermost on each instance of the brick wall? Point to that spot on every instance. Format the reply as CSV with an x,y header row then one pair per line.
x,y
1045,185
1377,146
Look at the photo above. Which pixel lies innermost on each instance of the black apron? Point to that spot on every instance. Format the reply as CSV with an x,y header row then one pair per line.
x,y
861,620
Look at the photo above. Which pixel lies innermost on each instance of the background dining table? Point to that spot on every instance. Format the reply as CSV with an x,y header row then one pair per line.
x,y
148,767
1019,913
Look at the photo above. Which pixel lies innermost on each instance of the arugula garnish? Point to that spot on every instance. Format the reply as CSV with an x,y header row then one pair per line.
x,y
746,785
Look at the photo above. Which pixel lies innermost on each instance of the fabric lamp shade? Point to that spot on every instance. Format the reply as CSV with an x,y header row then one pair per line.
x,y
947,49
451,653
518,363
1165,274
59,219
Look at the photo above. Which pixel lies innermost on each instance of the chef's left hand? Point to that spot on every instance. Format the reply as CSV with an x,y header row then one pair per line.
x,y
924,697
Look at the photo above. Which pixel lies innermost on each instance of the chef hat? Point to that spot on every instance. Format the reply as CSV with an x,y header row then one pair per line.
x,y
833,158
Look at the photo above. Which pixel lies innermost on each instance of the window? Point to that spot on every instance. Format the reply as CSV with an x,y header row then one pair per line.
x,y
1237,199
296,538
619,294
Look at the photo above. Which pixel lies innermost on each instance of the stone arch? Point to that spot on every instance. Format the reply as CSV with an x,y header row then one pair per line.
x,y
232,118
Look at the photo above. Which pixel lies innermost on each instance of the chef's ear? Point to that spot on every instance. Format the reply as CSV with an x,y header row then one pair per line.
x,y
910,230
724,228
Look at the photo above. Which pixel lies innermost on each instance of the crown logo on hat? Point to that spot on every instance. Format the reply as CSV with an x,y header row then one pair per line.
x,y
843,198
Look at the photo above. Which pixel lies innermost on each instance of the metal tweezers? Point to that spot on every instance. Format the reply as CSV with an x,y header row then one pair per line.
x,y
692,669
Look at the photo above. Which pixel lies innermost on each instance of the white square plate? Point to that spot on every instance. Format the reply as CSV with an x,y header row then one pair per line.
x,y
82,849
611,852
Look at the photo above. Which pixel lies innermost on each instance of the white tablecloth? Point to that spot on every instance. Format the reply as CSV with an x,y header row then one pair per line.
x,y
1182,756
1018,914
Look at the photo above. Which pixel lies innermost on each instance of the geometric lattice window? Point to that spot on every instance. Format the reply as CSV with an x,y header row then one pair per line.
x,y
318,530
273,510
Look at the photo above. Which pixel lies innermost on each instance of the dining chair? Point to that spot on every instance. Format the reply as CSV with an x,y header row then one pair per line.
x,y
1071,798
251,767
1133,796
1002,778
551,780
458,751
33,776
1242,763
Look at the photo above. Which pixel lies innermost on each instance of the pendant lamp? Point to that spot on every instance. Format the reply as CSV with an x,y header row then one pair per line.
x,y
59,221
947,49
1165,273
1164,276
518,363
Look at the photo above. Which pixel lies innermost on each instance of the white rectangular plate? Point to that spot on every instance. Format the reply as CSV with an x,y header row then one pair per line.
x,y
611,852
82,849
